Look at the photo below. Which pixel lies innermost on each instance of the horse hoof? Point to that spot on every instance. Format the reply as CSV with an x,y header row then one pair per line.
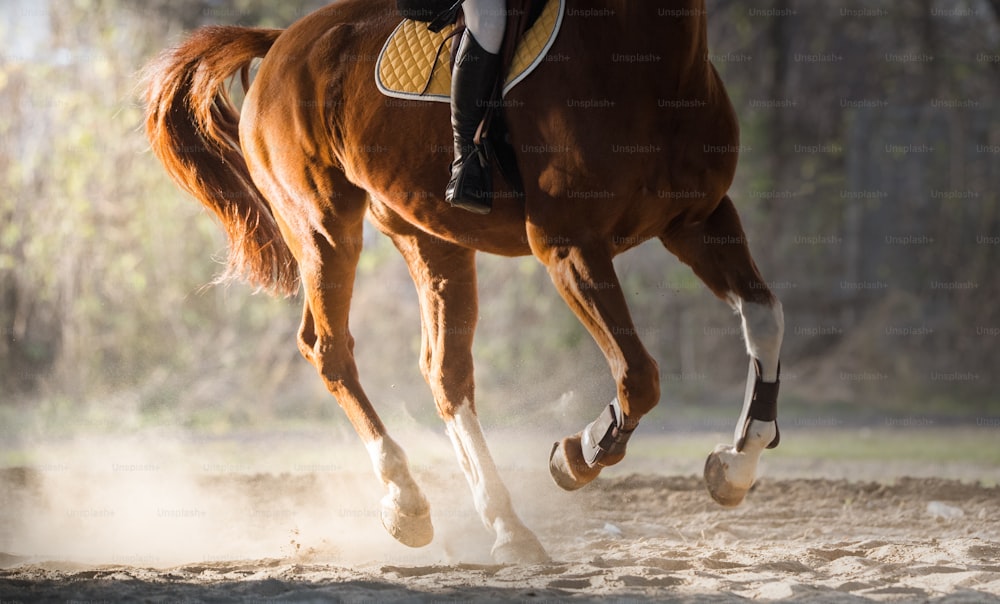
x,y
567,466
719,477
526,549
413,530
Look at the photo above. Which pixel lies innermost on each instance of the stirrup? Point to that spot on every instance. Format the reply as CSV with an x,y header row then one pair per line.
x,y
457,194
471,205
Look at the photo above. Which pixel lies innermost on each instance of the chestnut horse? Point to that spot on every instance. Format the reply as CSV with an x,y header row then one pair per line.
x,y
625,134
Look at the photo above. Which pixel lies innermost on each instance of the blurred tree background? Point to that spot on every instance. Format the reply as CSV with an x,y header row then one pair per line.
x,y
868,186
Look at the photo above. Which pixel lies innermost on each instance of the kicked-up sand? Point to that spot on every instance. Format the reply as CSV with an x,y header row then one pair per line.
x,y
294,519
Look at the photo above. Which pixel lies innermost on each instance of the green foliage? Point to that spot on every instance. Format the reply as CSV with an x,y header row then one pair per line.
x,y
103,262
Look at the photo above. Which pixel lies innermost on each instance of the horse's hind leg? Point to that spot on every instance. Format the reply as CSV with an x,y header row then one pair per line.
x,y
717,251
445,277
327,250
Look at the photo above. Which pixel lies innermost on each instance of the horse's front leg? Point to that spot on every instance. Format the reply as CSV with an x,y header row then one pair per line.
x,y
445,277
717,251
586,279
730,470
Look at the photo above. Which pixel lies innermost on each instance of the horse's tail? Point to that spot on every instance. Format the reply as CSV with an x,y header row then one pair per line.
x,y
193,127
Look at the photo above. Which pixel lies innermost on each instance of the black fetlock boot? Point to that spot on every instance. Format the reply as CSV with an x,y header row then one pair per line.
x,y
475,74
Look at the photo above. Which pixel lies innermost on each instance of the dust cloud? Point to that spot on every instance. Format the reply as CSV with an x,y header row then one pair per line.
x,y
160,499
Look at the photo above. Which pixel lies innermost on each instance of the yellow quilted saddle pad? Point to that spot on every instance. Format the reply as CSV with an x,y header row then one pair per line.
x,y
404,65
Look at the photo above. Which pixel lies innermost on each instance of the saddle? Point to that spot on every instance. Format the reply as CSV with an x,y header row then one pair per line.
x,y
411,66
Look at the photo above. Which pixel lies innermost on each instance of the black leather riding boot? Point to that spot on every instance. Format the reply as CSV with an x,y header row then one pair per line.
x,y
475,73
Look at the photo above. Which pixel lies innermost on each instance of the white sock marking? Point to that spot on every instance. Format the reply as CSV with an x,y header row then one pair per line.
x,y
488,491
391,466
763,330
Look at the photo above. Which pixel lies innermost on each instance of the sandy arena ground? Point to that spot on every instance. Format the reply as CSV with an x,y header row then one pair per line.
x,y
115,525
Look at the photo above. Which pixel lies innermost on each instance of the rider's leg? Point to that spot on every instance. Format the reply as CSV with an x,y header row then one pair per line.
x,y
486,19
472,83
